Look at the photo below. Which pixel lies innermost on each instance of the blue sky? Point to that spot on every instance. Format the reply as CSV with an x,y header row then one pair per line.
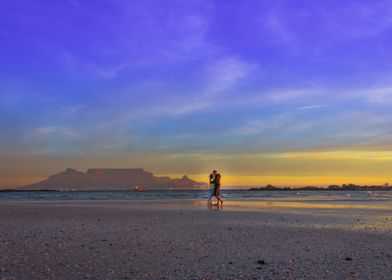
x,y
136,83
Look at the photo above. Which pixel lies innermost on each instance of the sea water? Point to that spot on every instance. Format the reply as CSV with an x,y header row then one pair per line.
x,y
227,194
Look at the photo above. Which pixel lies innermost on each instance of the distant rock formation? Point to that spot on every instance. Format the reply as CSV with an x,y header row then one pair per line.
x,y
111,179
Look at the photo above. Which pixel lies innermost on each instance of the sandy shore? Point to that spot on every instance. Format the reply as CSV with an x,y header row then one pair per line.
x,y
185,240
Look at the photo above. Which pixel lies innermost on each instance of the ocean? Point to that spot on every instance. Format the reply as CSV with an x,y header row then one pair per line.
x,y
236,195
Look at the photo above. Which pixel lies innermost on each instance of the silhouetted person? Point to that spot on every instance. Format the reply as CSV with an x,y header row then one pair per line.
x,y
211,189
217,183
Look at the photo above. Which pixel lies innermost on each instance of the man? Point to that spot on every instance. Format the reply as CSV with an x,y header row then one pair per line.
x,y
217,183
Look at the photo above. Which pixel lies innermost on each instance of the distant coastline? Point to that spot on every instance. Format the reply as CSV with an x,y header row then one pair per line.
x,y
344,187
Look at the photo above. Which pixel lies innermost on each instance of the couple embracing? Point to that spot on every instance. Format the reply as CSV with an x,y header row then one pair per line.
x,y
215,184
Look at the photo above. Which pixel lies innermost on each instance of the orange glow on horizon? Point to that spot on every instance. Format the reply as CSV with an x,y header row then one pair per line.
x,y
232,180
292,169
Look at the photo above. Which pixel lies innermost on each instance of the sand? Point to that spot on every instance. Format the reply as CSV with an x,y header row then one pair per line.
x,y
186,240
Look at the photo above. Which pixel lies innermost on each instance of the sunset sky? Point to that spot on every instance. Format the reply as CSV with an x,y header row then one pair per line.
x,y
280,92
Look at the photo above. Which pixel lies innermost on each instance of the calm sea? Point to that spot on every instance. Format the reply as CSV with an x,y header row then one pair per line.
x,y
309,196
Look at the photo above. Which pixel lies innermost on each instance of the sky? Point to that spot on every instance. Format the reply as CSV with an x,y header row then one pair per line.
x,y
266,92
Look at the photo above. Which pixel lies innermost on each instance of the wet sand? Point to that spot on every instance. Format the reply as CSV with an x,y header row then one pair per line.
x,y
187,240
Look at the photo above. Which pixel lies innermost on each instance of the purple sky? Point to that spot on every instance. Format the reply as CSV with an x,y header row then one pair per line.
x,y
112,82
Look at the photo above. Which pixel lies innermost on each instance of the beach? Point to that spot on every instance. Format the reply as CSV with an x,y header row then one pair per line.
x,y
175,239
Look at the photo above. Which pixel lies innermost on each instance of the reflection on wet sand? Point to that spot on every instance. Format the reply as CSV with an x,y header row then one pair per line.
x,y
240,205
353,215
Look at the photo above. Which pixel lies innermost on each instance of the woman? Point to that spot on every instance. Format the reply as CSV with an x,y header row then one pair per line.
x,y
211,188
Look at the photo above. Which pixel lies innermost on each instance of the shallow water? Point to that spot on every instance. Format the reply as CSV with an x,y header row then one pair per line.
x,y
339,197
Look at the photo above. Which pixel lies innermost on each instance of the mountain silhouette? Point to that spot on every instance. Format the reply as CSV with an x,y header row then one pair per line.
x,y
111,179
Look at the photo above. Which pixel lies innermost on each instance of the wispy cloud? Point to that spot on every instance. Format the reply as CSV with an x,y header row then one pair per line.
x,y
105,72
86,70
177,108
193,41
72,110
47,131
296,94
371,18
310,107
219,76
225,74
278,29
381,95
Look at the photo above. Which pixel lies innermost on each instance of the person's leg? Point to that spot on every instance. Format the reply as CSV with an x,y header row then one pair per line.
x,y
218,196
220,200
211,196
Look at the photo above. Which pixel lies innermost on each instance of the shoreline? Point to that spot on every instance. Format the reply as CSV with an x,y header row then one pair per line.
x,y
231,204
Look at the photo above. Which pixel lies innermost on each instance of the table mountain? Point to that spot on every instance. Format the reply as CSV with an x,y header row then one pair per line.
x,y
111,179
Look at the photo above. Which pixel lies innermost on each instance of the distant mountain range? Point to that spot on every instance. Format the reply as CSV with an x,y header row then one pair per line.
x,y
111,179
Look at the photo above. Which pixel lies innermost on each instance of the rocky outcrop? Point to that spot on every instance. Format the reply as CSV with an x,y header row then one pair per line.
x,y
112,179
